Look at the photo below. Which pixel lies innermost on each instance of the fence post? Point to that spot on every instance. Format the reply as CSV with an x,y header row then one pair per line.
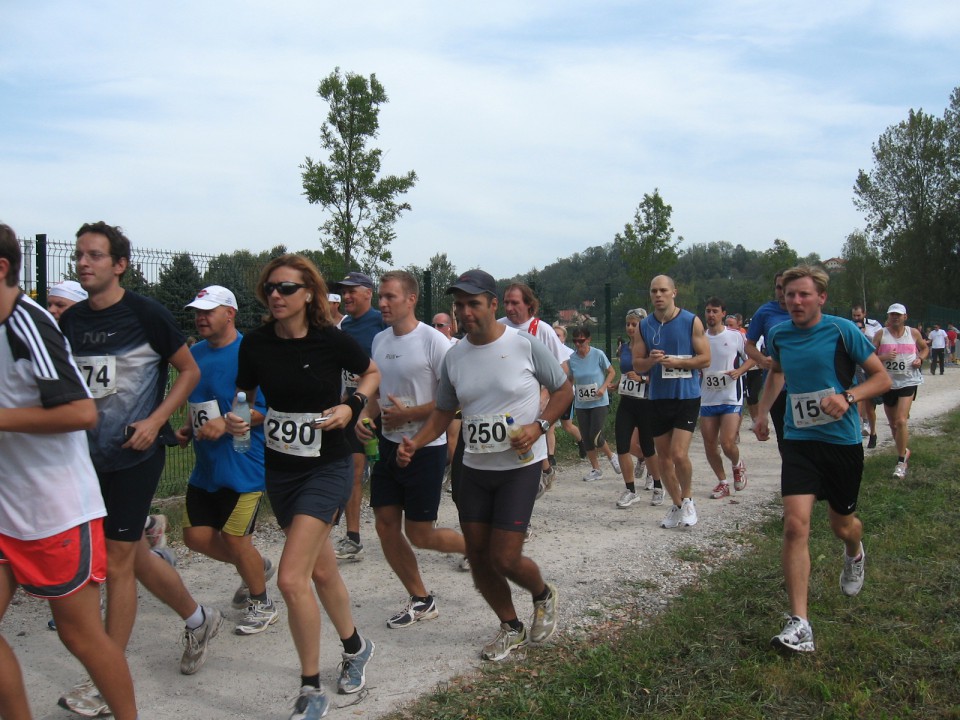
x,y
426,292
608,317
42,269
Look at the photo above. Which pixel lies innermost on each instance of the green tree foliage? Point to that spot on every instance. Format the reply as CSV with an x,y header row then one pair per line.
x,y
861,282
780,256
647,244
133,279
238,272
442,275
910,200
178,284
363,206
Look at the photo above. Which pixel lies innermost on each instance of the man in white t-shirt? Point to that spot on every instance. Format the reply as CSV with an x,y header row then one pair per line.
x,y
494,375
868,410
443,324
938,348
409,355
721,398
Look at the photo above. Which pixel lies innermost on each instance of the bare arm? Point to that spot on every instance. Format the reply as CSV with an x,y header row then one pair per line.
x,y
76,415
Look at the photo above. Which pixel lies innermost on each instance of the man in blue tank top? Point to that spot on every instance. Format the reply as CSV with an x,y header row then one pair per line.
x,y
822,455
672,348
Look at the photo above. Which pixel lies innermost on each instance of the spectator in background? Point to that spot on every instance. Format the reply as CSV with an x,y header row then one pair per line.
x,y
63,295
937,339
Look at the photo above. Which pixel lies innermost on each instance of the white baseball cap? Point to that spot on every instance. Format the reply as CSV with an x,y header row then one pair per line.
x,y
897,308
69,289
333,297
213,296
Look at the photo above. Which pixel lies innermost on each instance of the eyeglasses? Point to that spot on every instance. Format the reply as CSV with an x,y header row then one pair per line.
x,y
440,325
94,255
579,341
284,288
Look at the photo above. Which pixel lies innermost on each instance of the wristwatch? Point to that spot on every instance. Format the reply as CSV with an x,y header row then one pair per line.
x,y
544,425
849,398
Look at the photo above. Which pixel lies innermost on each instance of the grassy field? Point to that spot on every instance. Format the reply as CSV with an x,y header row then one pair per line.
x,y
891,652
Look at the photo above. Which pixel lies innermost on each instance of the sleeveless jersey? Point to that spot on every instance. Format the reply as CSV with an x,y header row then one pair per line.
x,y
674,337
901,369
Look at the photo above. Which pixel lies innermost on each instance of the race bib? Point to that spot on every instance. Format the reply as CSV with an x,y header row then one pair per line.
x,y
588,392
100,374
485,434
806,410
202,413
675,373
408,428
714,382
632,388
350,381
292,433
900,365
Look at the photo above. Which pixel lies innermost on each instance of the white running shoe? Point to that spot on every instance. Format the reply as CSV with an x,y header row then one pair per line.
x,y
797,635
673,517
259,616
657,497
689,512
639,466
415,611
544,623
851,579
627,499
721,491
594,475
85,700
900,472
649,485
615,464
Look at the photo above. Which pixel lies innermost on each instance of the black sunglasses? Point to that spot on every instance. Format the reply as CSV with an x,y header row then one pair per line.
x,y
284,288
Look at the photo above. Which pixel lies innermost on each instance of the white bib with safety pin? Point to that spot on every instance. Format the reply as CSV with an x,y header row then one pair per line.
x,y
901,365
100,374
203,412
292,433
408,428
350,381
590,391
806,410
485,434
676,373
714,382
632,388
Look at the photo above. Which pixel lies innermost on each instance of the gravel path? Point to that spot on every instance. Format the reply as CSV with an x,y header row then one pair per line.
x,y
595,553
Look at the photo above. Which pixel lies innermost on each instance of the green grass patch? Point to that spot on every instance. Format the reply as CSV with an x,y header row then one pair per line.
x,y
891,652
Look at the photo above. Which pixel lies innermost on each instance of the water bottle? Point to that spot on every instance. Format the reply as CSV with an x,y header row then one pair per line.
x,y
241,443
371,448
513,430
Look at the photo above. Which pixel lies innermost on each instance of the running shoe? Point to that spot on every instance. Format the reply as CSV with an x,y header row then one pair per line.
x,y
615,464
872,442
241,598
347,549
84,699
638,468
672,520
156,531
353,669
311,704
415,611
259,616
649,485
900,471
627,499
797,636
506,641
544,622
166,554
851,579
740,476
689,513
546,482
865,430
196,641
722,490
528,533
594,475
447,480
464,564
657,497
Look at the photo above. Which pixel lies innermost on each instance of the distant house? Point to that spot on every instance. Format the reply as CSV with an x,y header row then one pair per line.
x,y
834,264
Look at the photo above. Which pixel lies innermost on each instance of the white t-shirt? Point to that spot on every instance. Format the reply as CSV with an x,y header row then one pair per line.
x,y
47,481
938,339
490,381
409,371
716,387
545,333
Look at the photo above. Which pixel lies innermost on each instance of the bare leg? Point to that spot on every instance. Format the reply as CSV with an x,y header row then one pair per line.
x,y
13,694
238,551
796,551
163,581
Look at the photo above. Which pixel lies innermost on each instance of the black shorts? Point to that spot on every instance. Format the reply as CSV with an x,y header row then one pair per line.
x,y
416,488
633,414
568,413
502,499
321,492
223,509
128,494
892,397
591,422
830,472
667,415
753,384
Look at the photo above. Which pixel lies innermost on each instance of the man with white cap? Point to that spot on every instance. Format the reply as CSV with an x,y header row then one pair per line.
x,y
334,299
902,351
63,295
225,489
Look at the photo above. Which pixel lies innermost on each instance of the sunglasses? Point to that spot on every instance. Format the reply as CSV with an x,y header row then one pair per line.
x,y
579,341
440,325
284,288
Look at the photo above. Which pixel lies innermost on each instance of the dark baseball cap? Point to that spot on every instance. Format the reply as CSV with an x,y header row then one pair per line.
x,y
354,279
475,282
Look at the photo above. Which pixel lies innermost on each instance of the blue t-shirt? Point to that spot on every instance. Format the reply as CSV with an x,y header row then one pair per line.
x,y
674,337
764,319
589,373
123,353
364,328
821,358
218,465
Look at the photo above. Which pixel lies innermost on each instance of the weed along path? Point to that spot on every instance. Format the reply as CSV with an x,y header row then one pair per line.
x,y
604,561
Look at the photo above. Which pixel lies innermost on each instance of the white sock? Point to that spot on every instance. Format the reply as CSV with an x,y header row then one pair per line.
x,y
195,620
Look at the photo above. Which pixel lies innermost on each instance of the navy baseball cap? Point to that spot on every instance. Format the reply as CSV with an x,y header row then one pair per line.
x,y
354,279
475,282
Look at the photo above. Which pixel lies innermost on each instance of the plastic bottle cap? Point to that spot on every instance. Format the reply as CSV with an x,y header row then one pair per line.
x,y
241,397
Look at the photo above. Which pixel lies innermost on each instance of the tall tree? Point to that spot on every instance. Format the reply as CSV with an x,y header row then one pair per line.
x,y
860,281
363,206
178,284
647,244
442,275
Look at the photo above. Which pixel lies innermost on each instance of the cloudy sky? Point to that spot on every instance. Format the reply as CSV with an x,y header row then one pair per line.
x,y
535,127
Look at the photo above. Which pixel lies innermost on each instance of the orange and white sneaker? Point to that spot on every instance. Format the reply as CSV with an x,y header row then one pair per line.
x,y
739,476
722,490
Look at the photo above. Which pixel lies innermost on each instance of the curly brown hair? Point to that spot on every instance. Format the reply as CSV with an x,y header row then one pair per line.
x,y
318,307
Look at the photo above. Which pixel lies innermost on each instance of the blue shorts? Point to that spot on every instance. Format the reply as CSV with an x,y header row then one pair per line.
x,y
716,410
416,488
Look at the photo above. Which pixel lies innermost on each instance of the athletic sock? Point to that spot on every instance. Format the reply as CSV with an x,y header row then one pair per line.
x,y
355,536
631,487
353,644
542,596
425,600
195,620
657,484
902,458
262,597
310,681
515,624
